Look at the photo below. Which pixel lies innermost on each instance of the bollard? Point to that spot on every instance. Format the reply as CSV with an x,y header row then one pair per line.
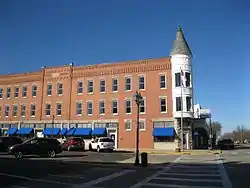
x,y
144,159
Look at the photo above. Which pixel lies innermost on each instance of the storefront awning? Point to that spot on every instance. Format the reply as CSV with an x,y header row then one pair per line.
x,y
82,132
99,131
12,131
168,131
63,131
71,132
51,131
24,131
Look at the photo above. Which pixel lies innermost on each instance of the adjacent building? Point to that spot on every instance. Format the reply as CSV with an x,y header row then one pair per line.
x,y
94,100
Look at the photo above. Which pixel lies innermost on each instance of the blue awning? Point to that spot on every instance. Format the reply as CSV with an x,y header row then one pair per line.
x,y
169,131
71,131
63,131
12,131
82,132
24,130
99,131
51,131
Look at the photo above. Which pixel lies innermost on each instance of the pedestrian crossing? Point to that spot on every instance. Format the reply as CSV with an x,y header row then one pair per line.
x,y
190,172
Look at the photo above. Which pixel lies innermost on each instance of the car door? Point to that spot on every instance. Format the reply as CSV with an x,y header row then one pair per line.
x,y
30,147
42,147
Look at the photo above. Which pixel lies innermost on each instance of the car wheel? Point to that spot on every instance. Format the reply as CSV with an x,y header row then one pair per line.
x,y
98,149
51,153
18,155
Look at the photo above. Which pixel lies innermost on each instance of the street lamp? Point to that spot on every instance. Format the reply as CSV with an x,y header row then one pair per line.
x,y
210,133
53,122
138,99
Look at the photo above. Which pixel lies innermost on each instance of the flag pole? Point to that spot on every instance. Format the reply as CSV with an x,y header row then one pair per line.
x,y
182,111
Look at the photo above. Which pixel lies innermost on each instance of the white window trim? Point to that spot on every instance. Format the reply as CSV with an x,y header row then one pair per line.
x,y
131,106
78,87
32,90
89,101
57,89
144,121
31,110
13,109
131,122
25,85
145,105
61,109
105,86
46,109
113,78
163,97
131,82
21,110
5,111
142,75
163,74
115,114
2,93
90,93
49,83
99,107
7,92
79,101
17,86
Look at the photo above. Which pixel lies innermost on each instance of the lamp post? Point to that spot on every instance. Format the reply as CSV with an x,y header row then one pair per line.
x,y
138,99
210,133
53,122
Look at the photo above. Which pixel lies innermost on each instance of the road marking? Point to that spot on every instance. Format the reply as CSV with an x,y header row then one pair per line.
x,y
225,180
33,179
65,176
175,186
102,179
196,167
186,179
190,174
165,169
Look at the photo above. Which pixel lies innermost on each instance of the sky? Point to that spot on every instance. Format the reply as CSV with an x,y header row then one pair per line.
x,y
35,33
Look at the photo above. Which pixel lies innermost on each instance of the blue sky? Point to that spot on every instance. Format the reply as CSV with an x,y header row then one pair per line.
x,y
44,32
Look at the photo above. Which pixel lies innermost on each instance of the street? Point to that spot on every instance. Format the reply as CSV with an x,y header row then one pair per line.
x,y
71,170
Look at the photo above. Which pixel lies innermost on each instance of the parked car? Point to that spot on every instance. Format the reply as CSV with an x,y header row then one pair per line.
x,y
36,146
101,144
74,143
8,141
226,144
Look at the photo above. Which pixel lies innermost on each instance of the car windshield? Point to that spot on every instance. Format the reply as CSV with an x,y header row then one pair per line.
x,y
30,141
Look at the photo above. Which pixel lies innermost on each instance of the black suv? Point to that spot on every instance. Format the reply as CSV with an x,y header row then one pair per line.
x,y
8,141
36,146
225,144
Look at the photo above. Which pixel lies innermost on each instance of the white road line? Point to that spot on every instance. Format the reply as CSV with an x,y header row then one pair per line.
x,y
186,179
225,180
167,168
175,186
197,167
190,174
33,179
65,176
102,179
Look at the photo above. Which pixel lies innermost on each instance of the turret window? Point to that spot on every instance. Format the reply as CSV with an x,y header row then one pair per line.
x,y
177,79
188,79
189,103
178,104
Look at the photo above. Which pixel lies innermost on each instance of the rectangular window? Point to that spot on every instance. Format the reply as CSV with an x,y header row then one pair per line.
x,y
178,104
58,109
141,82
128,106
114,84
115,107
16,92
0,111
128,125
102,86
101,107
24,94
48,109
142,125
78,108
59,88
8,94
128,84
163,104
49,89
189,103
90,86
34,90
1,93
32,110
14,112
79,87
163,81
188,79
7,110
177,79
23,109
142,106
89,107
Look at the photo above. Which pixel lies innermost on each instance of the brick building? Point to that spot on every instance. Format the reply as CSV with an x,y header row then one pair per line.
x,y
98,100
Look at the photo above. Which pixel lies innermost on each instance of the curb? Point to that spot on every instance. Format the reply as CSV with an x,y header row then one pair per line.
x,y
185,153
